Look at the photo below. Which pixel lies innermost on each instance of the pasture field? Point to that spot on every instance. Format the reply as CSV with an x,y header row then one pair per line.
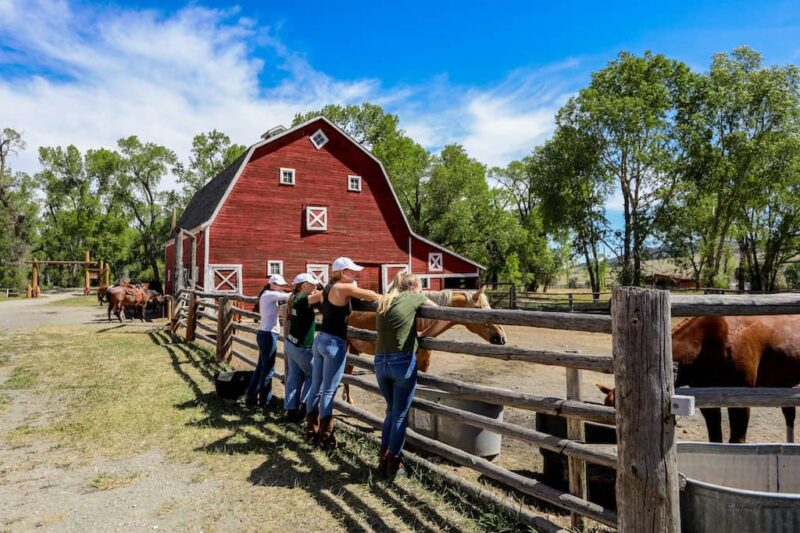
x,y
109,426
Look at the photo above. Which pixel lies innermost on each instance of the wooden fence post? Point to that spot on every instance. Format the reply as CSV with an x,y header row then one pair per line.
x,y
512,297
224,329
177,278
571,302
191,317
575,431
647,473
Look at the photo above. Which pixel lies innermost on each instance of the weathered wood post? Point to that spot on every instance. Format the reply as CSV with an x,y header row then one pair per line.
x,y
224,329
575,431
28,291
191,317
86,282
647,473
177,278
512,297
108,273
170,299
35,279
571,302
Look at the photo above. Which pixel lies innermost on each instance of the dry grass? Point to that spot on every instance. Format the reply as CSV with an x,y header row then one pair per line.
x,y
124,390
76,301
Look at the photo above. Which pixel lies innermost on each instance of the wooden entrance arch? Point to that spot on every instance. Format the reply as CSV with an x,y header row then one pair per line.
x,y
99,270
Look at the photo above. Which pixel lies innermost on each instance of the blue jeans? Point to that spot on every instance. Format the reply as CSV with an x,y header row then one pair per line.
x,y
397,377
298,374
330,355
260,389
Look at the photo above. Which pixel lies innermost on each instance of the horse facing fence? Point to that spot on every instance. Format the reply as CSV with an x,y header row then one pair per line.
x,y
645,459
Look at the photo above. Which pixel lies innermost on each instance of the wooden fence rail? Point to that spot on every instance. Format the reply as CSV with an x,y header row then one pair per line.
x,y
647,486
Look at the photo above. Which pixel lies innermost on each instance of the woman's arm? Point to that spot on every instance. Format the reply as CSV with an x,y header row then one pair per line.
x,y
437,327
315,297
362,294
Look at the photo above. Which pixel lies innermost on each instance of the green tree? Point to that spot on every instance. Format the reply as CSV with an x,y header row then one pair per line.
x,y
628,109
136,188
18,213
211,153
730,122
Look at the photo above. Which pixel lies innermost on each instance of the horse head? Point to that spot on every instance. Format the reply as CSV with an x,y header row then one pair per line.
x,y
494,333
609,399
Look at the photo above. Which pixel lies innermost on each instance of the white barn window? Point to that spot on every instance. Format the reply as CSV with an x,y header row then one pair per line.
x,y
354,183
319,139
316,218
274,267
287,176
435,263
320,271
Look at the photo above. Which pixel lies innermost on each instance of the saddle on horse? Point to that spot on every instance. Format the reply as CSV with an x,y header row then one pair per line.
x,y
135,293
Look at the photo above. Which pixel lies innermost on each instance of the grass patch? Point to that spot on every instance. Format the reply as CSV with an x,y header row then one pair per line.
x,y
76,301
5,400
109,481
22,377
126,390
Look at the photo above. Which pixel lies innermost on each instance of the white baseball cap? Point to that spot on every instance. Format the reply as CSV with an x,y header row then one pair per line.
x,y
346,263
305,277
277,279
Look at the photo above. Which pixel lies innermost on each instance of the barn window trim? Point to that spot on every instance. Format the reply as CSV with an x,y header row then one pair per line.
x,y
318,139
235,273
312,267
425,282
286,172
270,263
435,262
354,183
316,218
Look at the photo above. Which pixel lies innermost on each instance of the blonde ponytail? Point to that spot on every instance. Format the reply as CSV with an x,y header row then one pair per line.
x,y
402,282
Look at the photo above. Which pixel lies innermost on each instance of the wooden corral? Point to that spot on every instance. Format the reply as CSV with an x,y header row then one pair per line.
x,y
645,458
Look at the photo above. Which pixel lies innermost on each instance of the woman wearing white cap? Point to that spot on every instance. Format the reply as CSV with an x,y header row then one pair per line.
x,y
330,347
299,327
260,390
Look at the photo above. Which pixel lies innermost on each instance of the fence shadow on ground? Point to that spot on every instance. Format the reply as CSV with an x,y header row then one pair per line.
x,y
333,480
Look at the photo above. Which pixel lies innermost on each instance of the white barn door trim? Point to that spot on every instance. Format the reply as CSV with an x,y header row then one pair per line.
x,y
385,278
225,278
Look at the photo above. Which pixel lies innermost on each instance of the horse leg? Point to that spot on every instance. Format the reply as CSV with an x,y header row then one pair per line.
x,y
110,305
423,359
713,418
788,414
739,418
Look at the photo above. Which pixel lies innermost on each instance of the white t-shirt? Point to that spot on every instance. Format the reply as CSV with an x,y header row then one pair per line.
x,y
268,305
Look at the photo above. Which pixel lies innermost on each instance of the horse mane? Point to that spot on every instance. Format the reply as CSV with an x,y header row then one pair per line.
x,y
445,299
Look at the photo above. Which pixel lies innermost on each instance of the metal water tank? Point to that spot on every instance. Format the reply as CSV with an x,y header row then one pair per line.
x,y
470,439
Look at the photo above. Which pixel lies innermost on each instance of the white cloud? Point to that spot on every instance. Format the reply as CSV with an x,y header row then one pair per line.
x,y
94,76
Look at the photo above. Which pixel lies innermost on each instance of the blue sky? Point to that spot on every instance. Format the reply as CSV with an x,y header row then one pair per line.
x,y
490,77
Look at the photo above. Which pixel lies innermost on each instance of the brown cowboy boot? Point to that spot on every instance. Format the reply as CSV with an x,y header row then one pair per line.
x,y
383,456
312,428
327,440
394,467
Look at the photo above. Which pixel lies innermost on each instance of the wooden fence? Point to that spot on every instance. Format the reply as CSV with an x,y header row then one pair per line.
x,y
645,459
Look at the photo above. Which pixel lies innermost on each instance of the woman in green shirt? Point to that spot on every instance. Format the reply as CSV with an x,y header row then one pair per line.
x,y
396,362
299,335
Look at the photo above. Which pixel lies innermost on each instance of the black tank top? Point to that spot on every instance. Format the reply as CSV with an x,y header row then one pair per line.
x,y
334,317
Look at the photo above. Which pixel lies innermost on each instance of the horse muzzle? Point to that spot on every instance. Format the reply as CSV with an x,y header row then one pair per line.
x,y
498,339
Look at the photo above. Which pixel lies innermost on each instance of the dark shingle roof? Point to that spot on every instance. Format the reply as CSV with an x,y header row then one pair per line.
x,y
206,200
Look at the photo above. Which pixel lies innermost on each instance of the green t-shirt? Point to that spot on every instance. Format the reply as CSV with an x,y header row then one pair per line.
x,y
301,322
397,331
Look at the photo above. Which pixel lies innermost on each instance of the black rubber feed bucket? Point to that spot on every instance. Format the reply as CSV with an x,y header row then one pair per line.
x,y
232,385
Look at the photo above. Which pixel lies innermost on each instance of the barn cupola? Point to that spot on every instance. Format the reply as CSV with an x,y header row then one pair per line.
x,y
272,132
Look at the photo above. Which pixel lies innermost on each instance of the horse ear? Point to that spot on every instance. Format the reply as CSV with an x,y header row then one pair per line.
x,y
477,296
603,388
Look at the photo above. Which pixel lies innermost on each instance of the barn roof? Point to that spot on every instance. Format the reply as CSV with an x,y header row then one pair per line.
x,y
202,205
207,201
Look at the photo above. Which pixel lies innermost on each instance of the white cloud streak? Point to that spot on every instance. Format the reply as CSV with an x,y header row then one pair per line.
x,y
93,77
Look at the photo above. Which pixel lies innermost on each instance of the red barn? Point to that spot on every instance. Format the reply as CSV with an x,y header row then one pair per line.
x,y
296,201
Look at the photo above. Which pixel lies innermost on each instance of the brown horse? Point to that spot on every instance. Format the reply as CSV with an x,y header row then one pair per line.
x,y
736,351
127,295
101,294
447,298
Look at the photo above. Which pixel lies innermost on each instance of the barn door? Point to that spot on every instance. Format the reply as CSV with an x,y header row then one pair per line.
x,y
226,278
388,272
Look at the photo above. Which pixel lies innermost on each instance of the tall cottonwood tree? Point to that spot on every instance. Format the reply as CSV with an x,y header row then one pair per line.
x,y
628,109
211,153
732,122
